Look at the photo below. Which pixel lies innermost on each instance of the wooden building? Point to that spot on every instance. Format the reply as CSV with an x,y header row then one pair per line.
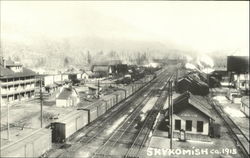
x,y
193,85
17,82
67,97
192,114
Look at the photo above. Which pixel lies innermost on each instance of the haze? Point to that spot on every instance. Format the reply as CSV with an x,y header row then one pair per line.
x,y
202,27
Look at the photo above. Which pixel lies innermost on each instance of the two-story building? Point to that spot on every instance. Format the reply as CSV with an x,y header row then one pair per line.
x,y
16,82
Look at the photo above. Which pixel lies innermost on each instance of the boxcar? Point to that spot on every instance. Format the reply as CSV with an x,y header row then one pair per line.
x,y
120,95
34,145
91,112
129,90
66,126
110,100
101,107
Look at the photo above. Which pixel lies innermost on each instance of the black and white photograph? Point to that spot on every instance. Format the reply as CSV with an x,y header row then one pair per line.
x,y
124,79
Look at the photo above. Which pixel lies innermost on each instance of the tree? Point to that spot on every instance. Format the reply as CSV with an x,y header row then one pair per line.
x,y
88,58
66,61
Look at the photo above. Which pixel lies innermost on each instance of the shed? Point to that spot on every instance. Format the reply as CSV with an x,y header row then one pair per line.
x,y
67,97
193,85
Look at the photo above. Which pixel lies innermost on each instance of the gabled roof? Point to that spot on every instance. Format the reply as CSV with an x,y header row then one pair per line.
x,y
195,101
66,93
12,63
8,73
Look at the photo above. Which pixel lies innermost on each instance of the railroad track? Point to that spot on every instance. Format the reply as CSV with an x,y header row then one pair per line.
x,y
142,136
118,135
92,131
242,141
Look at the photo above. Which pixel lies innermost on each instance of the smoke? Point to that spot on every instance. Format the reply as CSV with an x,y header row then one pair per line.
x,y
202,63
190,66
207,70
205,61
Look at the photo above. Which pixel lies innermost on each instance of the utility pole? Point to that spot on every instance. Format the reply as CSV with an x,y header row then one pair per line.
x,y
41,102
8,121
98,88
171,115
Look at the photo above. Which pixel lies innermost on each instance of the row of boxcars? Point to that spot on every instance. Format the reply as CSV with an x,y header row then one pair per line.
x,y
66,126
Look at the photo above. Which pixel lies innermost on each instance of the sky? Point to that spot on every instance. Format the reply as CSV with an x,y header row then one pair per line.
x,y
201,26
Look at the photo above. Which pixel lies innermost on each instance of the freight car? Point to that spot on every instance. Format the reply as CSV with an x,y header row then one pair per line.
x,y
34,145
120,95
110,101
65,127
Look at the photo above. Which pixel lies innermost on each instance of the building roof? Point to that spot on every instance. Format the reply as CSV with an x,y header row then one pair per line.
x,y
12,63
196,101
100,68
66,93
8,73
9,62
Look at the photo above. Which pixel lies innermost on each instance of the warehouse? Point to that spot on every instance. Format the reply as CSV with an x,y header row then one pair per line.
x,y
192,114
192,84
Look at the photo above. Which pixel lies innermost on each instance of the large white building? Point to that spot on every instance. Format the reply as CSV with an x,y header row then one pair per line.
x,y
16,82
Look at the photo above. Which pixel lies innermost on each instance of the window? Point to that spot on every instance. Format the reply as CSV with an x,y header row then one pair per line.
x,y
188,125
177,124
199,126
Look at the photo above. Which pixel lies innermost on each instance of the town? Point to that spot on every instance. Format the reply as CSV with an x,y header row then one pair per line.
x,y
152,101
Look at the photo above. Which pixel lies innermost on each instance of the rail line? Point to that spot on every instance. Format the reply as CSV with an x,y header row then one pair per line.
x,y
240,138
124,127
144,132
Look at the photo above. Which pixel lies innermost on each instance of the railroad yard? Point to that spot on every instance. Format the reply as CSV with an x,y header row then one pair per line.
x,y
111,79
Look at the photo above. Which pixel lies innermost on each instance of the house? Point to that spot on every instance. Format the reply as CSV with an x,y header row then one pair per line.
x,y
245,105
85,76
192,114
241,82
89,73
102,70
67,97
52,82
17,82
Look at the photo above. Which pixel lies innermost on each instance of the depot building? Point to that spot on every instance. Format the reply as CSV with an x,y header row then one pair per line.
x,y
192,114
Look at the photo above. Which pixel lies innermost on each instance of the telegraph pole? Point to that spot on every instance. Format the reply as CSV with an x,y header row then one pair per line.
x,y
98,88
169,112
8,121
171,115
41,102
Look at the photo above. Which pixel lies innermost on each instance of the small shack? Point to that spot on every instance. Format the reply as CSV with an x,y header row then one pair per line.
x,y
67,97
93,90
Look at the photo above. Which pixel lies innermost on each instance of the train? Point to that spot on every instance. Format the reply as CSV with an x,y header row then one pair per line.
x,y
64,127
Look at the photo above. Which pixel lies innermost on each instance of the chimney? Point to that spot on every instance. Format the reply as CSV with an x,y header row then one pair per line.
x,y
3,62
